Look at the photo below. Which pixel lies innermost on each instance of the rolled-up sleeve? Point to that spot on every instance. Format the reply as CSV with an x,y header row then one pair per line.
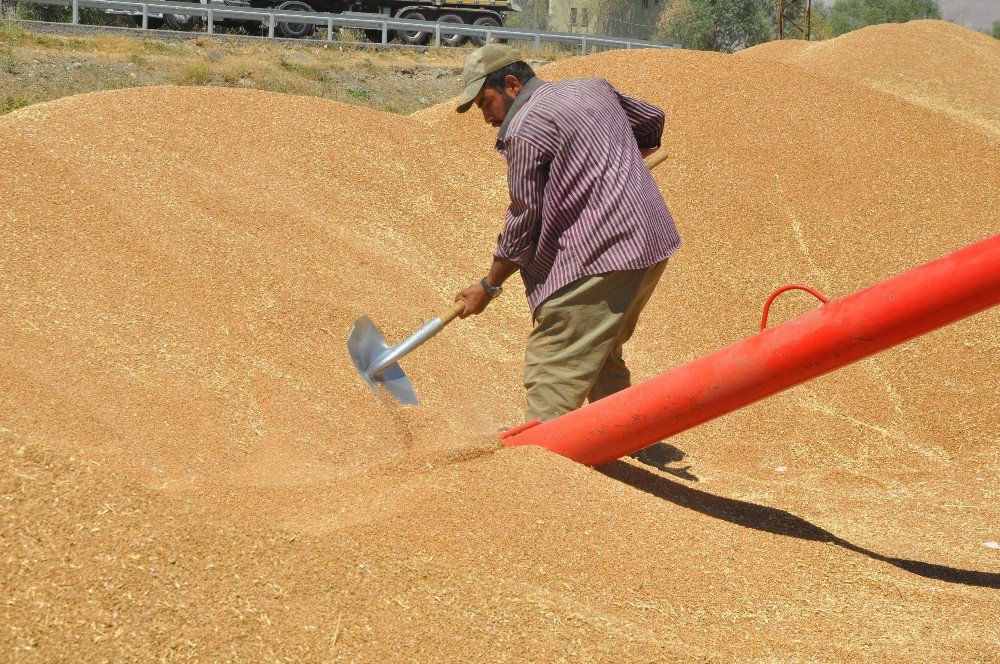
x,y
646,121
527,174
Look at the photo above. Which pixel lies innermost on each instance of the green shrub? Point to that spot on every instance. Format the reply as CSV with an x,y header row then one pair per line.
x,y
198,73
12,103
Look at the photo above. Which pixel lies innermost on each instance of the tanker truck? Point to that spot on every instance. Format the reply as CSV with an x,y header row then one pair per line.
x,y
483,13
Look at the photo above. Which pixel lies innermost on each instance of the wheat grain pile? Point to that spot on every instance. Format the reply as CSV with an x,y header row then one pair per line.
x,y
908,62
194,470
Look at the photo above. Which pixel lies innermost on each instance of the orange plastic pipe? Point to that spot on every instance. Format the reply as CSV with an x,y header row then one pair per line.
x,y
831,336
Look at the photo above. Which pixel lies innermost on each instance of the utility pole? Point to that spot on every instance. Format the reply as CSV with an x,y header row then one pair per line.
x,y
794,19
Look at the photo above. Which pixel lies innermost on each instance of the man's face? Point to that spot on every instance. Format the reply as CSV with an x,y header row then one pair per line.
x,y
495,103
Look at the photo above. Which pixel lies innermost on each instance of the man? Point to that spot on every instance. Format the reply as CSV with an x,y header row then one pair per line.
x,y
587,226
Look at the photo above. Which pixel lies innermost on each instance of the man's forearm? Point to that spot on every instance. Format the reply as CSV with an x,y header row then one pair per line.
x,y
500,270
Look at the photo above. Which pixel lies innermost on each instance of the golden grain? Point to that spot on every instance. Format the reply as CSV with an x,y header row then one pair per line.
x,y
195,469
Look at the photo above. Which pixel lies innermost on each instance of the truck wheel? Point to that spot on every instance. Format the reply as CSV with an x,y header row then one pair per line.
x,y
413,37
451,38
181,22
295,30
375,36
486,22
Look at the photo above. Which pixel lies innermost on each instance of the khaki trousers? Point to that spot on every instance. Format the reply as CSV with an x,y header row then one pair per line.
x,y
574,353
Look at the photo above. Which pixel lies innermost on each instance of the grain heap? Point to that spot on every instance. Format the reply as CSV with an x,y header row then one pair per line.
x,y
906,60
195,469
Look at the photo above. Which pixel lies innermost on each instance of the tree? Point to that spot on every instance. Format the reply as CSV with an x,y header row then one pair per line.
x,y
717,25
820,25
689,23
625,18
534,15
847,15
996,29
742,23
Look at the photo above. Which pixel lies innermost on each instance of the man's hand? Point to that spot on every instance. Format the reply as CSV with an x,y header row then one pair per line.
x,y
475,299
648,151
475,296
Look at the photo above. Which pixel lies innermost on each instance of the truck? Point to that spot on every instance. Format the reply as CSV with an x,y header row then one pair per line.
x,y
482,13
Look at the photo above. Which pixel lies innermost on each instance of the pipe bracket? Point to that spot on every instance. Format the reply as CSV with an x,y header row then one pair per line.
x,y
788,287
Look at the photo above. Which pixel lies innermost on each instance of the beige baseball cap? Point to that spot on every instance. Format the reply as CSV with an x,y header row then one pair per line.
x,y
481,63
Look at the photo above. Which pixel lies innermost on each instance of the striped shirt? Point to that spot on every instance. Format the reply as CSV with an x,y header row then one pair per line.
x,y
582,200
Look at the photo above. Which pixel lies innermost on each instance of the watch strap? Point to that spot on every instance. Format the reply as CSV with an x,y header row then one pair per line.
x,y
492,291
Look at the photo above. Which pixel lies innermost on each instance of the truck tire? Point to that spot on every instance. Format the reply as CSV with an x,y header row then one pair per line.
x,y
451,38
375,36
294,30
181,22
412,37
486,22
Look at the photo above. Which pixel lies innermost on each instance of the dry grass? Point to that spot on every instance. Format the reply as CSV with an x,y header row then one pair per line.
x,y
349,36
306,71
196,73
37,67
233,72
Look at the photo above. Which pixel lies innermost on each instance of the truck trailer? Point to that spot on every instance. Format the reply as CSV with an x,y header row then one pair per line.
x,y
482,13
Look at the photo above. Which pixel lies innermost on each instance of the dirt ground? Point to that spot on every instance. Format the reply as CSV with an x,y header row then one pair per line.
x,y
194,470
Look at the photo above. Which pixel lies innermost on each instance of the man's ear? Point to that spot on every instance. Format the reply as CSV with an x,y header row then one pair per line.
x,y
512,84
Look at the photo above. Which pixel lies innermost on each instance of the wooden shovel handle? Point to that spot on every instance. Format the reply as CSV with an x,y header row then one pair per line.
x,y
655,159
452,312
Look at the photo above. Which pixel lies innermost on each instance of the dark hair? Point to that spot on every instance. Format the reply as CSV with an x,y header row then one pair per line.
x,y
520,70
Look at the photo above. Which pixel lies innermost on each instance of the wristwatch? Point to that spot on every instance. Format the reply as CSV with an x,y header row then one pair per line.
x,y
492,291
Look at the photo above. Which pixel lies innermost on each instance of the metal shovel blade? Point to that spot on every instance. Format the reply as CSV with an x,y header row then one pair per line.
x,y
366,346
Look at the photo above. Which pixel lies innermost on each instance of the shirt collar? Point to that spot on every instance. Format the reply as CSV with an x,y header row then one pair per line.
x,y
522,98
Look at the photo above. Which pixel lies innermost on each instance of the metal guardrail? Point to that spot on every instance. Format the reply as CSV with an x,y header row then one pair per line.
x,y
271,17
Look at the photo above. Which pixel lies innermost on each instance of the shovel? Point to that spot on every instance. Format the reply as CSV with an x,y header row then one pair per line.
x,y
378,362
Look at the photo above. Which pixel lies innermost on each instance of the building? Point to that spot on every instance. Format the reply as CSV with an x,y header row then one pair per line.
x,y
612,18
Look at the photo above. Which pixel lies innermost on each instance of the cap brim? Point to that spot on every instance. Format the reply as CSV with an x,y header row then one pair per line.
x,y
470,92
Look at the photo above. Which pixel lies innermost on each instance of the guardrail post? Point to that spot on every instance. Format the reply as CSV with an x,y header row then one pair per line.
x,y
329,29
385,31
211,21
270,28
583,50
437,35
538,43
76,12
